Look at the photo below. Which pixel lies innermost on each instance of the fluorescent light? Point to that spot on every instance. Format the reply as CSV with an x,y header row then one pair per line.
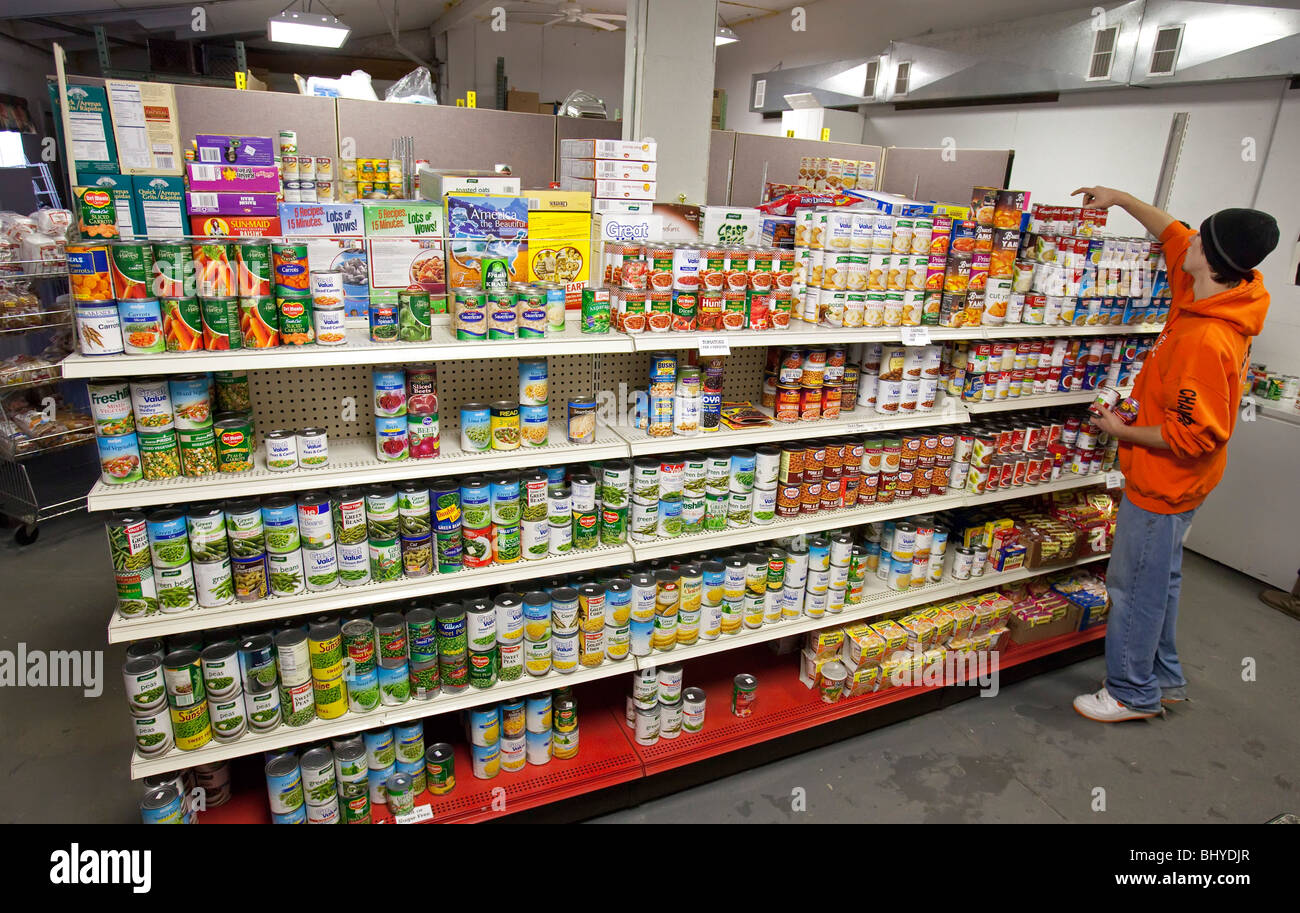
x,y
724,35
290,27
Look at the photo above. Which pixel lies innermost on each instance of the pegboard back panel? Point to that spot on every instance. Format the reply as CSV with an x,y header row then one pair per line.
x,y
295,398
742,377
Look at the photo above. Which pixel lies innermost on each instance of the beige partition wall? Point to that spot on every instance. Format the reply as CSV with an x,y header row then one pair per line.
x,y
776,158
206,109
924,174
451,137
583,128
722,149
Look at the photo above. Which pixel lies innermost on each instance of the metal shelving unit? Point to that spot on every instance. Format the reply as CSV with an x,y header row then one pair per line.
x,y
878,600
25,494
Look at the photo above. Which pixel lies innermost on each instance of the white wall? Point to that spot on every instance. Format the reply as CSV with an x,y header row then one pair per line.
x,y
1278,347
550,61
843,29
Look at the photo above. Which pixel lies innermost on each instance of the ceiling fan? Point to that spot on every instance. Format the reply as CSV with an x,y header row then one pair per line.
x,y
571,13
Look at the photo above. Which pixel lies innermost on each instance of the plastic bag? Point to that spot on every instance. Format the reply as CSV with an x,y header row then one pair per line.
x,y
416,87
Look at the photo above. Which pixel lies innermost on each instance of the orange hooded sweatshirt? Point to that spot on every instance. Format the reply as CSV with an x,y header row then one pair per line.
x,y
1191,386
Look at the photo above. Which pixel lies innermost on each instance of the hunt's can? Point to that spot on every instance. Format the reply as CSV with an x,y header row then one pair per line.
x,y
744,691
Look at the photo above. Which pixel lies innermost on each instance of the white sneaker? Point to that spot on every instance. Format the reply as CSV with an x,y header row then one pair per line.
x,y
1103,708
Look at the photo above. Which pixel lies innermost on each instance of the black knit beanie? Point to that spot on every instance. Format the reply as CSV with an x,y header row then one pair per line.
x,y
1237,240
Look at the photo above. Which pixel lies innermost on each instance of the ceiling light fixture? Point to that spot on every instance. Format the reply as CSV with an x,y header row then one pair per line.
x,y
724,35
292,27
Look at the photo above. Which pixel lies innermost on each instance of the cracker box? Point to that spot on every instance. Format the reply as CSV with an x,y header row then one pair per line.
x,y
608,169
608,149
334,235
223,149
404,248
233,178
729,225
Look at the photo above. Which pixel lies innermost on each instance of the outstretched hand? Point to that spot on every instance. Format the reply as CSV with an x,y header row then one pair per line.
x,y
1099,197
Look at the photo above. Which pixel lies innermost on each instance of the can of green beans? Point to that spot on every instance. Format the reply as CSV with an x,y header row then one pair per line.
x,y
586,529
385,559
417,555
413,510
449,552
349,516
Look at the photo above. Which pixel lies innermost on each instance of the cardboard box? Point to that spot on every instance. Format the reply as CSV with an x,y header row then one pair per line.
x,y
635,228
681,221
92,144
221,149
235,226
617,190
559,246
630,207
729,225
233,178
333,233
607,149
161,204
524,102
210,203
1023,632
557,200
893,205
608,169
404,248
485,225
123,189
777,231
437,183
145,127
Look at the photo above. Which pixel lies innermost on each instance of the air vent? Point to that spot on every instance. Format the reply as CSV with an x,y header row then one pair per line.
x,y
873,76
901,77
1164,57
760,92
1103,52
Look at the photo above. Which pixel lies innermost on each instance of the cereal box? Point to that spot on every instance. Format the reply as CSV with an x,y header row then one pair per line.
x,y
485,226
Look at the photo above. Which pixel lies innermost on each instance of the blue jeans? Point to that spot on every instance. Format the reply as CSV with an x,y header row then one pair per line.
x,y
1144,578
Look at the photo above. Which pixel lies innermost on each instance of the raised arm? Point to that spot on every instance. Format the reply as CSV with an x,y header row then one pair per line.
x,y
1153,219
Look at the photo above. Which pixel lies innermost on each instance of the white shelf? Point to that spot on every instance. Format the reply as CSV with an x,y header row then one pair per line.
x,y
1043,401
859,421
877,600
359,350
354,463
285,736
800,334
854,516
121,630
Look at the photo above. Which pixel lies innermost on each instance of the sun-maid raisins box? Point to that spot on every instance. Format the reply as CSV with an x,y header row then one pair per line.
x,y
335,237
404,244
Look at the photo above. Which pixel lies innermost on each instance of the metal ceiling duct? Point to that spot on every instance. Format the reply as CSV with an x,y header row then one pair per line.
x,y
1138,43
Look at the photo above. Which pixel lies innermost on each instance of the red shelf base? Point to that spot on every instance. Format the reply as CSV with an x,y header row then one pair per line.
x,y
608,754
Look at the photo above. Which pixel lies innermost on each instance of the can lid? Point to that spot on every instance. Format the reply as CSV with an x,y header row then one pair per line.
x,y
214,652
389,620
694,695
746,681
161,797
179,659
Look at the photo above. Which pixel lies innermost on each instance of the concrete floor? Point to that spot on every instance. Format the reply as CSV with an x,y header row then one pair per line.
x,y
1023,756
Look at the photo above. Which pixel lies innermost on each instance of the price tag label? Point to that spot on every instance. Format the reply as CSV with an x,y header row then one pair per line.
x,y
422,813
1115,479
862,428
714,345
916,336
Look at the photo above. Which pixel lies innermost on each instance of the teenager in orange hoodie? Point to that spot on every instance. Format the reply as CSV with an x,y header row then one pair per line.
x,y
1173,454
